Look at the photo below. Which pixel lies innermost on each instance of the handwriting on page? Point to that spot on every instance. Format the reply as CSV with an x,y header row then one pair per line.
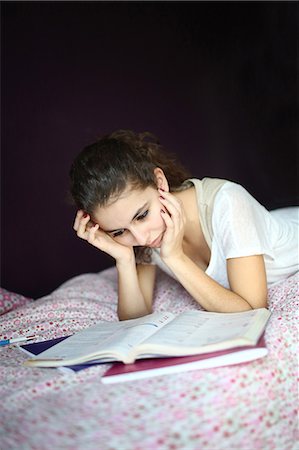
x,y
191,329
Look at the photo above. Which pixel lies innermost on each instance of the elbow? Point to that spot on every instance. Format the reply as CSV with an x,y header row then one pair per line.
x,y
257,303
125,315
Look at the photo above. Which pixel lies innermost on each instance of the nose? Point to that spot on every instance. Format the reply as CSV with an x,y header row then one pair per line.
x,y
140,235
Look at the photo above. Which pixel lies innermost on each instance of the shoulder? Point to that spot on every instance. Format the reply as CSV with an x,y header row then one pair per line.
x,y
234,205
233,187
223,195
234,195
206,183
235,208
207,189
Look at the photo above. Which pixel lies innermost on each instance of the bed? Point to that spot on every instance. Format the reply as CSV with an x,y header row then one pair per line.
x,y
243,407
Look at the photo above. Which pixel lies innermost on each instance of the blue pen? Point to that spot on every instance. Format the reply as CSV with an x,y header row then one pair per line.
x,y
16,340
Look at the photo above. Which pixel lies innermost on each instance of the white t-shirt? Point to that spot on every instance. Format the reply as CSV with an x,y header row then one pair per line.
x,y
243,227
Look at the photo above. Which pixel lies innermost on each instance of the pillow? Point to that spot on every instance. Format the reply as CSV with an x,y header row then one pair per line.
x,y
11,300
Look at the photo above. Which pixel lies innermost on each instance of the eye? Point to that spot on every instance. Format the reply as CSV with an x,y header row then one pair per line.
x,y
118,233
143,215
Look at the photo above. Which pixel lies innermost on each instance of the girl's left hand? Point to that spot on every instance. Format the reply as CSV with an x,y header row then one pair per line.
x,y
174,217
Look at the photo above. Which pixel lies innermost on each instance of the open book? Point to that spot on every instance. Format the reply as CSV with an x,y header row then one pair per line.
x,y
161,334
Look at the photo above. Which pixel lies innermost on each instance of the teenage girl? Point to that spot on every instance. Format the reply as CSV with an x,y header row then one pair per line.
x,y
139,205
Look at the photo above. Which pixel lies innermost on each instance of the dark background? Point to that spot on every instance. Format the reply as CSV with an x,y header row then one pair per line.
x,y
216,82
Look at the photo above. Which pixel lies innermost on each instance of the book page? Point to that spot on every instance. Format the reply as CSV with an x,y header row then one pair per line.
x,y
195,329
115,338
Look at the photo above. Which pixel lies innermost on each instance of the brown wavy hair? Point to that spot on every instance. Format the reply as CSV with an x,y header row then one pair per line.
x,y
105,168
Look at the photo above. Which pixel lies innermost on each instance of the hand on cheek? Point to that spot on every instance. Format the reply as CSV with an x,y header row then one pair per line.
x,y
174,219
91,232
164,201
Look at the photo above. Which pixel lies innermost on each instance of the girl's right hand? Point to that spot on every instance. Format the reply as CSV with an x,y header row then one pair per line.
x,y
92,233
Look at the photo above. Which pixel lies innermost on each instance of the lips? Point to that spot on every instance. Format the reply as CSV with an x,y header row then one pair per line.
x,y
157,242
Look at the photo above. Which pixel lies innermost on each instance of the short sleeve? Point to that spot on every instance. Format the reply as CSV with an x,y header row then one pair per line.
x,y
240,223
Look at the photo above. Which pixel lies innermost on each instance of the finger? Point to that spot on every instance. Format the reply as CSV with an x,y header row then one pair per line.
x,y
91,237
170,197
170,201
167,219
100,239
78,217
174,209
82,228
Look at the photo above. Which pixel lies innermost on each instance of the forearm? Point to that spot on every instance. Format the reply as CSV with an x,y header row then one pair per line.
x,y
206,291
131,302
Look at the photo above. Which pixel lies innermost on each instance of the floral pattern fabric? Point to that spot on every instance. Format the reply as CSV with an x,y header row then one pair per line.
x,y
243,407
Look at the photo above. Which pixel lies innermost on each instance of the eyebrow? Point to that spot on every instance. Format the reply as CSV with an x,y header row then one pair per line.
x,y
135,215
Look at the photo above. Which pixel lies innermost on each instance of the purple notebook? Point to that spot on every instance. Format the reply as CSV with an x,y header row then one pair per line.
x,y
145,368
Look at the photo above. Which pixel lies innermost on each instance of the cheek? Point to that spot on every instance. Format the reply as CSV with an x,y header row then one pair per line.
x,y
127,241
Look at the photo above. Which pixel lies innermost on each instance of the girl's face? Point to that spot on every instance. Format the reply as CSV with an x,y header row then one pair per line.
x,y
134,219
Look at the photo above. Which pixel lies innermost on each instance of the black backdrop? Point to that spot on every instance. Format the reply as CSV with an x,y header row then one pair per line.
x,y
216,82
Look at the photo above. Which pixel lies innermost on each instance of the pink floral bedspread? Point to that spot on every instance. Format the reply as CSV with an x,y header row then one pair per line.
x,y
246,407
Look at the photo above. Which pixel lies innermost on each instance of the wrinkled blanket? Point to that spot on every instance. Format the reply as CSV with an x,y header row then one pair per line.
x,y
244,407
